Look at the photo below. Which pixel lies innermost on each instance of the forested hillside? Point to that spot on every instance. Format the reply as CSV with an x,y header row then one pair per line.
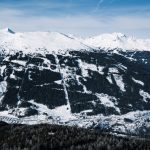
x,y
42,137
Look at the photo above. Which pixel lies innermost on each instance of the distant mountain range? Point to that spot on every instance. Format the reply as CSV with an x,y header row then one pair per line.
x,y
98,82
54,41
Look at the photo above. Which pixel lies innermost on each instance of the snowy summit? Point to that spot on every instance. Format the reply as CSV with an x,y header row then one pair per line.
x,y
31,42
118,40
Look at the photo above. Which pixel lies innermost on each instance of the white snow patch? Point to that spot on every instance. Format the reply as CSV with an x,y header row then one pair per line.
x,y
100,69
138,81
1,98
113,70
107,101
130,105
109,79
86,66
6,59
19,62
2,68
119,81
62,111
89,66
87,111
12,76
145,95
85,90
20,68
3,87
122,67
58,81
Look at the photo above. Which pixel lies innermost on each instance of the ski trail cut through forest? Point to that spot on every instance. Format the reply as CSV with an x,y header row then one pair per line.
x,y
63,82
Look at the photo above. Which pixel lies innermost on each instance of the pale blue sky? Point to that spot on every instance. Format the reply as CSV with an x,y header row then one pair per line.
x,y
80,17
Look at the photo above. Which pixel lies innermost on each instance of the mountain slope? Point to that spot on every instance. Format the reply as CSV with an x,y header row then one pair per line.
x,y
80,86
118,40
37,42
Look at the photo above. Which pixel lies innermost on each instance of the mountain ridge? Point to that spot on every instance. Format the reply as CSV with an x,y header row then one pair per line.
x,y
54,41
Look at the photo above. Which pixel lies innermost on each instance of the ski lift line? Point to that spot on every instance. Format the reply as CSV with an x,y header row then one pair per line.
x,y
63,81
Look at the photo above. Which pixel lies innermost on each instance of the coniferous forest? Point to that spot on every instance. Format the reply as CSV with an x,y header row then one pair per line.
x,y
56,137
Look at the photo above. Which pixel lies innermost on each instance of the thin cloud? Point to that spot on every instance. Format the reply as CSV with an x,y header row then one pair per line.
x,y
98,5
84,25
131,20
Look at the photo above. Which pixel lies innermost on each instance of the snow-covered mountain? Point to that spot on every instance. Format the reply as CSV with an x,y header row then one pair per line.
x,y
118,40
56,78
55,41
37,42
